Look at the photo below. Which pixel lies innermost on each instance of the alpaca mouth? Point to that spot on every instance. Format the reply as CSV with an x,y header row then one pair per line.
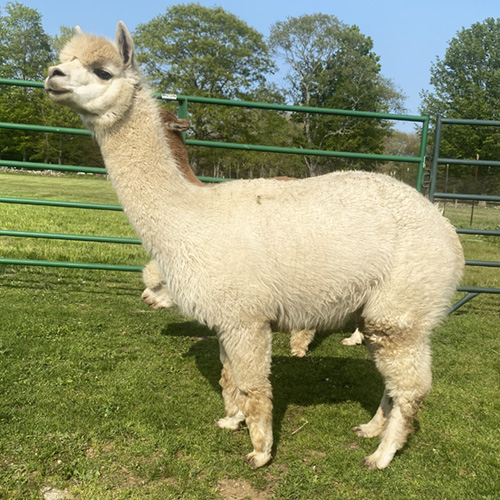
x,y
57,92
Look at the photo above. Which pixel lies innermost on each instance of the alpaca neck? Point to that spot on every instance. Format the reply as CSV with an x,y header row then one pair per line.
x,y
142,169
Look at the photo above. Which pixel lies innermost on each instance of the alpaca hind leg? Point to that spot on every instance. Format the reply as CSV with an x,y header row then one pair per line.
x,y
403,358
234,416
300,340
249,355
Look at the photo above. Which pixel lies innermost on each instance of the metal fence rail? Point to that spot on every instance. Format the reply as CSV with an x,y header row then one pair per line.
x,y
183,101
470,292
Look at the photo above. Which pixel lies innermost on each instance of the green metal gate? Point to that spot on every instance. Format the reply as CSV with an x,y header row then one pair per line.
x,y
434,195
183,101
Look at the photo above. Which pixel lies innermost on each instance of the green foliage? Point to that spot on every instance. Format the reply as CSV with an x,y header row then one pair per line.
x,y
467,85
196,50
199,50
25,51
333,65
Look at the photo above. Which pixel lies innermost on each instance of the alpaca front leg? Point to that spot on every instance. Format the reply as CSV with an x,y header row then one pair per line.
x,y
258,417
248,354
156,294
377,424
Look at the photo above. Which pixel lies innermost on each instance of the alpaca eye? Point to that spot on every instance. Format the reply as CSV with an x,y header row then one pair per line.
x,y
103,74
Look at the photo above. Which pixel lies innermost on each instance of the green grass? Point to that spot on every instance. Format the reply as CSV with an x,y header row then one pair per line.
x,y
110,400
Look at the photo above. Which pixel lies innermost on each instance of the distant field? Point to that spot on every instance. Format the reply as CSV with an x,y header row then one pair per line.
x,y
65,220
478,247
104,399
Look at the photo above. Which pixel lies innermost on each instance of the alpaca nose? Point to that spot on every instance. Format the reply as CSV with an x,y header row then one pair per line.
x,y
56,71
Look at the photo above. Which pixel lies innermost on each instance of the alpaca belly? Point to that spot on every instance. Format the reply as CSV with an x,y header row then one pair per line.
x,y
320,314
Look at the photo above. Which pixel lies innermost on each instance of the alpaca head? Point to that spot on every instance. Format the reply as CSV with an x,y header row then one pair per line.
x,y
96,77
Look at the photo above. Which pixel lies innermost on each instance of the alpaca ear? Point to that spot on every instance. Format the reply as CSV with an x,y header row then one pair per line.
x,y
78,30
125,45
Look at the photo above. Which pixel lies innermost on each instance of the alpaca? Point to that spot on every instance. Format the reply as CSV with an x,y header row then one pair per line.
x,y
247,255
156,294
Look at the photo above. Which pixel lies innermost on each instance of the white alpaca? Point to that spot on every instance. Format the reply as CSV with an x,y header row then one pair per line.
x,y
245,255
156,294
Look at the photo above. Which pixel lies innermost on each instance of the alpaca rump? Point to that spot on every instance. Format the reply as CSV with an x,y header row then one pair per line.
x,y
243,255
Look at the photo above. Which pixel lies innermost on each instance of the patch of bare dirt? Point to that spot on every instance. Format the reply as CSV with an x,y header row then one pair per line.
x,y
236,489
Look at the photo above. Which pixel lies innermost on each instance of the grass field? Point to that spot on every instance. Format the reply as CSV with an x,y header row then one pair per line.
x,y
102,398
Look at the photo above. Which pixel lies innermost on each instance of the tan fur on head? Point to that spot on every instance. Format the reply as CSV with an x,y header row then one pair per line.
x,y
92,51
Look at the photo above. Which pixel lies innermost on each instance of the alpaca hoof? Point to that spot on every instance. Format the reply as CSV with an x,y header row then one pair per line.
x,y
364,431
355,339
349,342
299,353
256,459
156,300
231,423
376,462
148,300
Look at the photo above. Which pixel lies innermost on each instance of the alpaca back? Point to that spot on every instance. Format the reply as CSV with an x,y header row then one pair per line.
x,y
305,253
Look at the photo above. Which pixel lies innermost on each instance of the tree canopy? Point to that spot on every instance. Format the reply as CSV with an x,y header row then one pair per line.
x,y
25,54
202,51
467,85
331,64
25,51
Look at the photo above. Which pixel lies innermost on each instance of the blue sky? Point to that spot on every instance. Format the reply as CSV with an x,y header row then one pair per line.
x,y
408,36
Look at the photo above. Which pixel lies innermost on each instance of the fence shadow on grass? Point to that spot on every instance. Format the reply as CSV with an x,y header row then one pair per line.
x,y
302,382
68,281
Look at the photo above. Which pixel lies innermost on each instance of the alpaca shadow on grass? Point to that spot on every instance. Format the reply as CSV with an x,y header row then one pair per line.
x,y
301,382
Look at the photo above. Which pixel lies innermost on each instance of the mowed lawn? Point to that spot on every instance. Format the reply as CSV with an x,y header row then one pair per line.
x,y
103,398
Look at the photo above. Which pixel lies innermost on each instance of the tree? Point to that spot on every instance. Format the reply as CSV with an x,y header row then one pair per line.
x,y
402,144
333,65
25,53
196,50
467,85
202,51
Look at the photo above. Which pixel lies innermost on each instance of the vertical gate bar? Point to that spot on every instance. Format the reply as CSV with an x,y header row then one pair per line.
x,y
435,157
423,148
183,112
